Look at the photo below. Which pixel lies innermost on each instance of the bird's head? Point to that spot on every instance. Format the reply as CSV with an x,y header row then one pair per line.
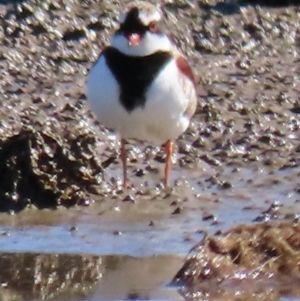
x,y
139,32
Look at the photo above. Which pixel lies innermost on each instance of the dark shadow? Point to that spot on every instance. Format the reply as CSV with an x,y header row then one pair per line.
x,y
231,7
7,2
19,185
42,169
270,3
225,8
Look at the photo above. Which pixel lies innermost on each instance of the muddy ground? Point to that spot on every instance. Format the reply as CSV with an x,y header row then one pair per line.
x,y
237,163
246,64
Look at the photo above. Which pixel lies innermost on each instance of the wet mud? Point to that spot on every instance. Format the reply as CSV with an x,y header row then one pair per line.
x,y
250,257
238,163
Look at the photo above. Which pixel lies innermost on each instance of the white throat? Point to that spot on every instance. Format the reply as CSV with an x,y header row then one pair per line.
x,y
149,44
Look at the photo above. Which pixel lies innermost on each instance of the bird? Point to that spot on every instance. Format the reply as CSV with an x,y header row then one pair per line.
x,y
142,86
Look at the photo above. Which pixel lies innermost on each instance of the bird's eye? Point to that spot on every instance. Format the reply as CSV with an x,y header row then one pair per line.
x,y
153,27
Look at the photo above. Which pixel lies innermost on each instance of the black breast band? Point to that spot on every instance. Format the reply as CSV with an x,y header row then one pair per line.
x,y
134,74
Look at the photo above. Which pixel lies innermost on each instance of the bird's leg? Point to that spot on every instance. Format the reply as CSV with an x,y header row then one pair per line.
x,y
169,152
124,162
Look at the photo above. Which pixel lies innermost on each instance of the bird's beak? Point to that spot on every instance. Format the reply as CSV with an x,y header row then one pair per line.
x,y
134,39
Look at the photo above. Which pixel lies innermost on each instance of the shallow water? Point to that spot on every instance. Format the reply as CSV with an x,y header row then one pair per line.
x,y
138,247
29,276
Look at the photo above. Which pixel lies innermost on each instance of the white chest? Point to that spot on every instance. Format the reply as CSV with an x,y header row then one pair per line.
x,y
160,119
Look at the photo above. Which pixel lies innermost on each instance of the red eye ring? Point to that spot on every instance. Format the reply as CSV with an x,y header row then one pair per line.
x,y
153,27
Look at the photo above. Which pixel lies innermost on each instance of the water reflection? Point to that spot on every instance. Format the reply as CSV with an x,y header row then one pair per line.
x,y
27,276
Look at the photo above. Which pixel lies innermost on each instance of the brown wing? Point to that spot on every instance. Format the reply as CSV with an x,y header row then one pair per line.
x,y
188,83
185,68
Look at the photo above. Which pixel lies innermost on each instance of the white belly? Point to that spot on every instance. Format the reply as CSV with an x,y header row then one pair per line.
x,y
162,118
